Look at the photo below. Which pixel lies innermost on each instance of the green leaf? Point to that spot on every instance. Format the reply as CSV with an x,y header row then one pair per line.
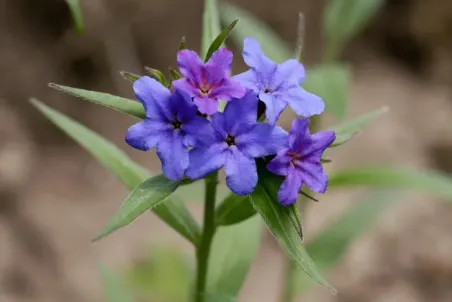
x,y
391,177
233,250
143,198
330,82
114,287
220,39
76,12
111,101
330,244
129,76
157,74
182,44
344,19
211,26
277,218
175,75
346,131
234,209
272,45
173,212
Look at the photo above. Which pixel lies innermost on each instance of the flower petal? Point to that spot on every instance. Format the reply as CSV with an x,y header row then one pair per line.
x,y
227,89
218,122
288,192
280,164
145,134
240,114
299,135
154,97
247,79
318,144
190,65
313,176
263,67
219,66
206,105
289,73
262,140
274,107
182,107
302,102
173,155
186,86
241,173
198,132
204,161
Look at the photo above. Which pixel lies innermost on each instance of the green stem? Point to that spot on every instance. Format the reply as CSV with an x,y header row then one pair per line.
x,y
203,249
288,294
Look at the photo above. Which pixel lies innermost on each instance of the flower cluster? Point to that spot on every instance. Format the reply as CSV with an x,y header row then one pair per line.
x,y
193,139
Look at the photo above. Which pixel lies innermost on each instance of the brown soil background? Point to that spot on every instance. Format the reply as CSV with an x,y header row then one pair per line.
x,y
54,197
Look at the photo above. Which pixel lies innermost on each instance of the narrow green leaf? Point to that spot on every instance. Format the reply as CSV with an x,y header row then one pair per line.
x,y
272,45
129,76
295,220
143,198
157,74
234,209
278,221
330,82
346,131
114,287
175,75
182,44
344,19
218,42
391,177
332,242
233,250
76,13
211,27
111,101
173,212
300,37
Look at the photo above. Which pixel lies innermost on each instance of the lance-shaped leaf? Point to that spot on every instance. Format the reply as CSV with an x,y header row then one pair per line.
x,y
157,74
173,212
114,287
211,26
234,209
218,42
233,250
346,131
131,77
145,197
76,12
112,101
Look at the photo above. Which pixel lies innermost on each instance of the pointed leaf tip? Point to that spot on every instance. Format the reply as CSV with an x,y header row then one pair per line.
x,y
220,39
129,76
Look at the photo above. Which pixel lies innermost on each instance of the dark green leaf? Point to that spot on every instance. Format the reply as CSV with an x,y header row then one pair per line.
x,y
234,209
175,75
211,26
143,198
344,19
173,212
272,45
346,131
118,103
157,74
129,76
330,82
114,287
218,42
76,12
277,218
233,250
182,44
391,177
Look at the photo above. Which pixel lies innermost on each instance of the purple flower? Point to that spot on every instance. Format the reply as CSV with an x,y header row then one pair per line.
x,y
207,83
277,85
300,163
236,140
171,124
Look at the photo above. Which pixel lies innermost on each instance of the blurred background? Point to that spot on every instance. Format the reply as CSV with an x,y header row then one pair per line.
x,y
54,197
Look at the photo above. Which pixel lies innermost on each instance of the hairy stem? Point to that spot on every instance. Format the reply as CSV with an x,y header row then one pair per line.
x,y
203,249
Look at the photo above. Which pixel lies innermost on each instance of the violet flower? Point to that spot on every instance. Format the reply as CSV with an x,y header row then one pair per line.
x,y
236,140
171,125
277,85
300,163
207,83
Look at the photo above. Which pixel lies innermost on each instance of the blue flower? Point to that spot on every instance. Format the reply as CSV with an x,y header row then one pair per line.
x,y
277,85
237,139
300,162
207,83
171,125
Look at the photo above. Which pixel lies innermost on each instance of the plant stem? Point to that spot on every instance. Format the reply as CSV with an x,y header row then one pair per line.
x,y
288,294
203,249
